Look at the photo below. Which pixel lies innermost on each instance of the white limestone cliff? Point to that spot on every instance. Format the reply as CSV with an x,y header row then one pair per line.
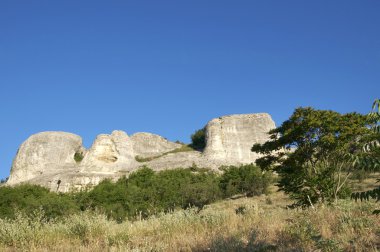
x,y
109,154
44,152
47,158
230,138
151,145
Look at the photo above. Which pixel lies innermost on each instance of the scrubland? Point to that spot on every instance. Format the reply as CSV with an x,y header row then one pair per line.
x,y
260,223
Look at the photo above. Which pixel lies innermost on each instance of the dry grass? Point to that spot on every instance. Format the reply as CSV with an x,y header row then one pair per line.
x,y
246,224
368,183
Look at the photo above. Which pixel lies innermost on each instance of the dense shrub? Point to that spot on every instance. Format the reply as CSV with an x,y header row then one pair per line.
x,y
78,157
142,194
198,139
203,189
29,198
146,192
3,181
107,197
246,179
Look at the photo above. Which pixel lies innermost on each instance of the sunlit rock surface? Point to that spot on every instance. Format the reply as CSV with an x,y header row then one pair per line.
x,y
109,154
58,160
151,145
230,138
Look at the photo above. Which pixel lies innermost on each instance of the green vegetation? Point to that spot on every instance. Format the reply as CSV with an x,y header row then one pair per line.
x,y
245,224
3,181
146,159
142,194
29,198
311,153
248,179
198,142
183,148
369,158
318,155
198,139
145,193
78,157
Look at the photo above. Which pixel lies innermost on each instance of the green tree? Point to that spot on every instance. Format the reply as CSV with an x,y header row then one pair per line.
x,y
309,152
198,139
369,159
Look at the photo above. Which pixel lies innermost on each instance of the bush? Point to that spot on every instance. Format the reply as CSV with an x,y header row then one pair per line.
x,y
203,189
107,197
29,198
246,179
78,157
146,192
3,181
142,194
198,139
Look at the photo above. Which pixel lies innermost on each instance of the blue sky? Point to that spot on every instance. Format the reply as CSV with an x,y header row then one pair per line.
x,y
168,67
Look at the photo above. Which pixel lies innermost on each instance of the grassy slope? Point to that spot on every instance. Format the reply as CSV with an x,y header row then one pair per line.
x,y
246,224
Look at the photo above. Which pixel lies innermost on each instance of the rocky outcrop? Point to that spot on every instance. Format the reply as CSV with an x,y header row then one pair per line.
x,y
58,160
109,154
45,152
230,138
151,145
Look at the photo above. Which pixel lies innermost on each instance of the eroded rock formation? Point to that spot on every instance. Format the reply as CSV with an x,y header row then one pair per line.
x,y
230,138
58,160
150,145
109,154
43,152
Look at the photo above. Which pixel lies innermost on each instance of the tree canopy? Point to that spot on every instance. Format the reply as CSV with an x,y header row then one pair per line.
x,y
309,151
198,139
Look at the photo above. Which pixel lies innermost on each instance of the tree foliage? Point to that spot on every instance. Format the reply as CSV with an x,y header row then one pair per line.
x,y
246,179
309,152
369,158
198,139
142,194
146,192
29,198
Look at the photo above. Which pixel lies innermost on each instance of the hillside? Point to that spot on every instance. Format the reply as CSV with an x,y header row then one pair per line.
x,y
260,223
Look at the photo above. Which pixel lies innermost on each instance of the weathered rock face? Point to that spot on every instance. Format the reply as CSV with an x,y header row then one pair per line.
x,y
151,145
47,158
230,138
109,154
44,152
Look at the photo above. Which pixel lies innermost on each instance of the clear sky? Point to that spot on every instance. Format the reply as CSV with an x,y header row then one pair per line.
x,y
168,67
